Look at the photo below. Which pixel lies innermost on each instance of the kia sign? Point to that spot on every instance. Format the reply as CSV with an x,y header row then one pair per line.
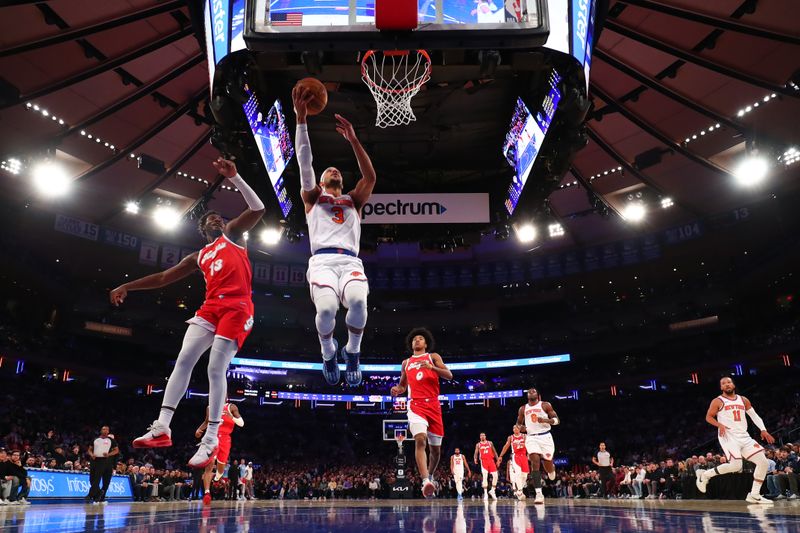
x,y
456,208
48,484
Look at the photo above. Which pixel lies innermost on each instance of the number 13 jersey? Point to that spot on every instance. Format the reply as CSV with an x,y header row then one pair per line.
x,y
226,269
334,222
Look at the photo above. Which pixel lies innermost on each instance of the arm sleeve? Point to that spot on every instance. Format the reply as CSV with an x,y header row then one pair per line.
x,y
239,421
304,158
756,419
249,195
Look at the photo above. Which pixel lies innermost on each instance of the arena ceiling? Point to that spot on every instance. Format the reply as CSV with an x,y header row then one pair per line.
x,y
679,89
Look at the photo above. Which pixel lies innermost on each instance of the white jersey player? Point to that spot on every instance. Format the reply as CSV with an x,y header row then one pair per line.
x,y
539,417
335,273
728,412
459,465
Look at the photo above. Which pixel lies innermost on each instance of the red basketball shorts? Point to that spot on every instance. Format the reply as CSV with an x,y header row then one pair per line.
x,y
229,318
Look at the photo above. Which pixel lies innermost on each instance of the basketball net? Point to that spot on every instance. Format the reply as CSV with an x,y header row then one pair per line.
x,y
394,77
400,438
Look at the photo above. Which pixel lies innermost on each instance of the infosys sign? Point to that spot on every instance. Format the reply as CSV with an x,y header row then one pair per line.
x,y
455,208
49,484
581,17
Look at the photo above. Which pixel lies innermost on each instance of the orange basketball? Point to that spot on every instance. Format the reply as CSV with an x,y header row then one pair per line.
x,y
320,100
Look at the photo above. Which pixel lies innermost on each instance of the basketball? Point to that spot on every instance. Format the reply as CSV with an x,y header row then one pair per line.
x,y
320,100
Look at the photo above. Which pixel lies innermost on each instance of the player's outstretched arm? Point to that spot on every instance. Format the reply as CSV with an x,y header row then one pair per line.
x,y
155,281
363,190
310,189
255,207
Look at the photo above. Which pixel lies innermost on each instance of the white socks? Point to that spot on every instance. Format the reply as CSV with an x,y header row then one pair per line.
x,y
327,304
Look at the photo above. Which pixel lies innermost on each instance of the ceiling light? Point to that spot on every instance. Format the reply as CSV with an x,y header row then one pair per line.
x,y
271,236
634,212
556,230
667,202
751,171
132,208
526,232
51,179
166,217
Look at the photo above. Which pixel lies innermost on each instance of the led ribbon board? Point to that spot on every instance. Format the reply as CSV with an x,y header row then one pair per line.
x,y
244,362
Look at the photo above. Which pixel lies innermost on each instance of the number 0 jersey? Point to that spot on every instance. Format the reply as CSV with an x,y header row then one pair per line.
x,y
334,222
423,383
226,269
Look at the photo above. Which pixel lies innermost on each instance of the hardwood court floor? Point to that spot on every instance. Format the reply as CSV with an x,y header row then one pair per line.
x,y
383,516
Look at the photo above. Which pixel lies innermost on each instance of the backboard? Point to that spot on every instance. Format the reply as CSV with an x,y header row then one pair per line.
x,y
392,427
350,25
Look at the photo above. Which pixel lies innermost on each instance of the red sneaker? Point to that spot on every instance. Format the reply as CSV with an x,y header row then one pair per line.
x,y
158,436
207,498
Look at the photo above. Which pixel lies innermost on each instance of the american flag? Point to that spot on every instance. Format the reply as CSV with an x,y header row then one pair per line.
x,y
287,19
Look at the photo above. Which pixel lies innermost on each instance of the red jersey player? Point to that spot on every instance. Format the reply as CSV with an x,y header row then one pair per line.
x,y
518,465
420,375
230,419
222,323
488,454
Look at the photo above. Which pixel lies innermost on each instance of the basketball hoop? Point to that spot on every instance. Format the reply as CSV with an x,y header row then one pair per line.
x,y
394,77
400,438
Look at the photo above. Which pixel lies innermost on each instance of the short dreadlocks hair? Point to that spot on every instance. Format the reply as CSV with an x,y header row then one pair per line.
x,y
202,221
429,340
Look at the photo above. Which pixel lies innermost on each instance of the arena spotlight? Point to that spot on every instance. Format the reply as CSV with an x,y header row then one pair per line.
x,y
666,202
525,232
132,208
634,212
51,179
271,236
751,171
556,230
166,217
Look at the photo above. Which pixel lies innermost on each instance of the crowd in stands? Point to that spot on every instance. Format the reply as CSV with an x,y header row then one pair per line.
x,y
659,450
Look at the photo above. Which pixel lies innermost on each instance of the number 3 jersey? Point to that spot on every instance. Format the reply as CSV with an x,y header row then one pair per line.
x,y
334,222
226,269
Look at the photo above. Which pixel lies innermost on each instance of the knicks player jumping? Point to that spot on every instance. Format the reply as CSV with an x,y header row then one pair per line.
x,y
539,417
727,413
488,461
223,321
335,273
457,466
231,418
419,375
518,464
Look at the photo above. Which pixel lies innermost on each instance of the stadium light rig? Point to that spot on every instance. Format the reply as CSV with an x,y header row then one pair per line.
x,y
271,236
526,233
166,217
50,179
751,171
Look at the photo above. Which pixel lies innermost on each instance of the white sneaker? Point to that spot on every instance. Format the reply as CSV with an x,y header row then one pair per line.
x,y
217,476
428,489
205,454
520,495
757,498
158,436
485,495
551,475
493,494
539,498
701,482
